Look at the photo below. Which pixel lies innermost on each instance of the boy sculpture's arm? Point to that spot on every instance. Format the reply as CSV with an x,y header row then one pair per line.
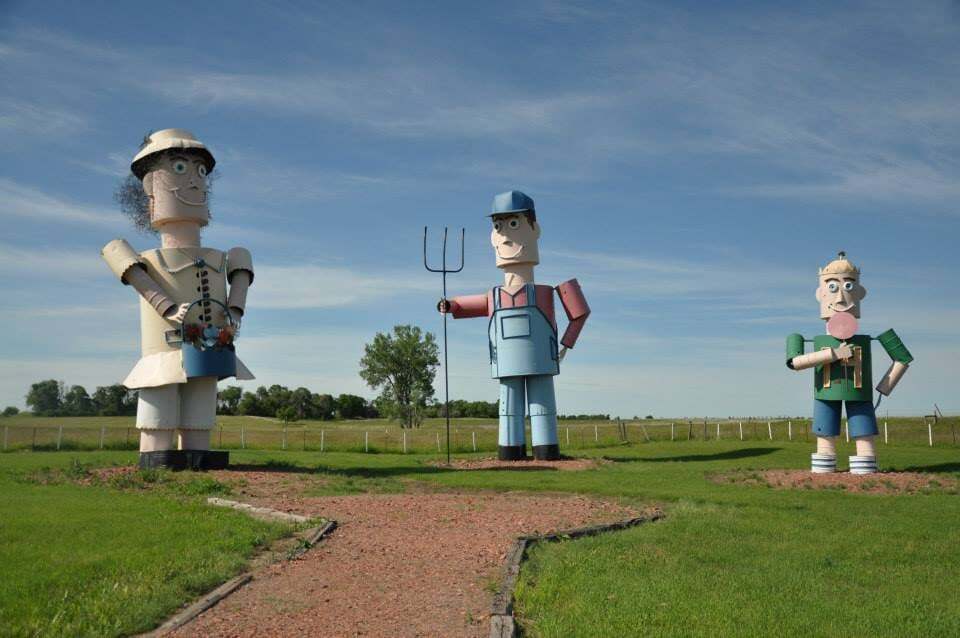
x,y
797,360
901,361
129,268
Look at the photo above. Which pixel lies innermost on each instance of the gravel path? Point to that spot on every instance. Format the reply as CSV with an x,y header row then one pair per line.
x,y
398,565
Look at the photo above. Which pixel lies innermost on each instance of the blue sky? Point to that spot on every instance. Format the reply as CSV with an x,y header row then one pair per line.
x,y
692,163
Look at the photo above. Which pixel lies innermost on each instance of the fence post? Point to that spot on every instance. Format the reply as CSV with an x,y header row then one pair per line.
x,y
403,434
126,439
33,445
59,436
220,440
568,439
596,433
438,441
473,435
6,434
321,440
366,441
886,438
243,437
790,430
846,429
769,430
304,438
741,430
103,432
718,431
284,437
704,429
644,428
673,431
930,433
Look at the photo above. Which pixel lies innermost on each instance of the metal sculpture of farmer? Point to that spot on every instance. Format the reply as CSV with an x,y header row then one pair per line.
x,y
525,352
188,320
842,365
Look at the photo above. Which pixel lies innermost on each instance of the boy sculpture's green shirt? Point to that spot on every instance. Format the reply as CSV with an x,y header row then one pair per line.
x,y
851,380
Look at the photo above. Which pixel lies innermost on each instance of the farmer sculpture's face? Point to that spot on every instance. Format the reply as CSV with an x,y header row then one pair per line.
x,y
177,189
514,240
840,292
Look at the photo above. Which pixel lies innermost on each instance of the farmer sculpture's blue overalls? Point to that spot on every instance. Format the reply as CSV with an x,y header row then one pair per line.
x,y
523,356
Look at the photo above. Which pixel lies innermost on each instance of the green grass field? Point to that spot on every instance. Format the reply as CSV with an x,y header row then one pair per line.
x,y
112,559
726,560
467,435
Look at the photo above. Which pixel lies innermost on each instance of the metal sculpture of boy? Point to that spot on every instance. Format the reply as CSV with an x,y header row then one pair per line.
x,y
187,319
524,353
842,363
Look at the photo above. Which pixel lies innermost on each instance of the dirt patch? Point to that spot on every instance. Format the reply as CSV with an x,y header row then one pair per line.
x,y
570,464
879,483
415,564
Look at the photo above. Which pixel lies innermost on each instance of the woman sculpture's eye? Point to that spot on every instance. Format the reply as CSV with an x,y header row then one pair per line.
x,y
180,167
202,170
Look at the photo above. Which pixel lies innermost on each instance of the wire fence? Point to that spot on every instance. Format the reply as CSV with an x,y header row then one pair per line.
x,y
474,438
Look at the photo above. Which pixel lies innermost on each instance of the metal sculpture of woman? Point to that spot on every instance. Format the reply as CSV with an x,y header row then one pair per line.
x,y
188,320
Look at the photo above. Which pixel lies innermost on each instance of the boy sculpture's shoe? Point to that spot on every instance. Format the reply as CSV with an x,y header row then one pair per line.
x,y
863,464
823,463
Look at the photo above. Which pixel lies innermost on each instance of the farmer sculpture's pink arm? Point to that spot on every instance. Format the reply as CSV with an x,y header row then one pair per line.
x,y
467,306
575,305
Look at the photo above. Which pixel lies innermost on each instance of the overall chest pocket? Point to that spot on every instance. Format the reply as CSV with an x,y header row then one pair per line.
x,y
515,326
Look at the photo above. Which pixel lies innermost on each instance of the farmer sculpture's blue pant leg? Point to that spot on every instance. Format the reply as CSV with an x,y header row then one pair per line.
x,y
543,416
512,402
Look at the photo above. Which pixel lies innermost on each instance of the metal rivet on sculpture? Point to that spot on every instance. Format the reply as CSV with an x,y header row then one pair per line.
x,y
524,352
842,369
188,321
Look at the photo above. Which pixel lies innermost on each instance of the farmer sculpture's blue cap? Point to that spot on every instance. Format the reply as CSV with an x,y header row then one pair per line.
x,y
512,202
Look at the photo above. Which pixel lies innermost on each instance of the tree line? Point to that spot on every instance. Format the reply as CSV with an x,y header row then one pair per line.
x,y
293,405
54,398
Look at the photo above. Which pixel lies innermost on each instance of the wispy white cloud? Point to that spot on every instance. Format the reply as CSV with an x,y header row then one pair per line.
x,y
25,118
21,201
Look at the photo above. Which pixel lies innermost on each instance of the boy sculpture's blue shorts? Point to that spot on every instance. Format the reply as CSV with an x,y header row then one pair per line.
x,y
861,418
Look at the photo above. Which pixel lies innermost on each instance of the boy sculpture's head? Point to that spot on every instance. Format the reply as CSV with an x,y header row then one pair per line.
x,y
840,289
515,229
173,166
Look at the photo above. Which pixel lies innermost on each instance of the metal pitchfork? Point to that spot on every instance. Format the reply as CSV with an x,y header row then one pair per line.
x,y
444,270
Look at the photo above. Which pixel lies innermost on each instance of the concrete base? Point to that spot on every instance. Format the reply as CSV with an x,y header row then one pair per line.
x,y
546,452
185,460
512,452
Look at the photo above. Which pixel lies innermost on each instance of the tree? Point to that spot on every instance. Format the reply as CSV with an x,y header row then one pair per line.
x,y
45,398
114,400
76,402
287,414
11,411
402,366
228,399
326,406
350,406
